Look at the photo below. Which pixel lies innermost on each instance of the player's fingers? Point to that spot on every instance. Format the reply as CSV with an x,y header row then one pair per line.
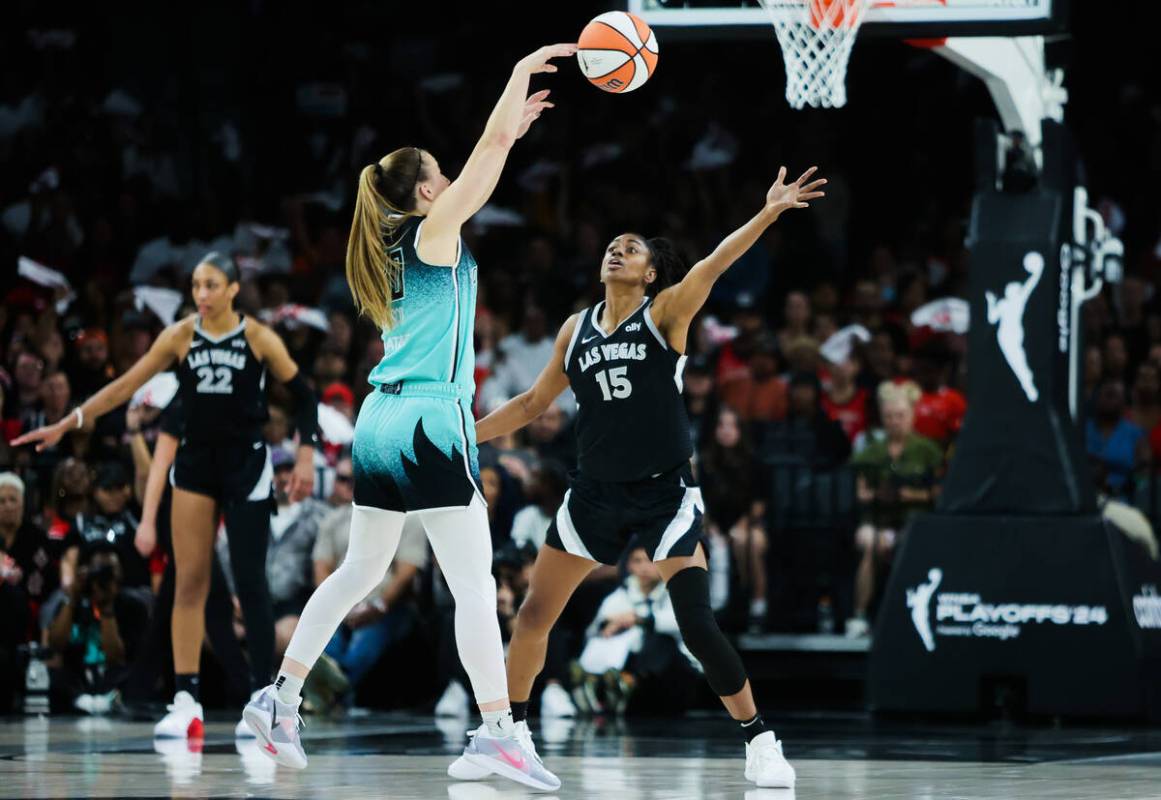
x,y
561,50
806,175
781,175
810,187
537,97
802,205
811,195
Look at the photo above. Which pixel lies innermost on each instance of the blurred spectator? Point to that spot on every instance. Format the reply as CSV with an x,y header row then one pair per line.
x,y
940,410
26,397
1093,371
95,631
1145,411
807,432
92,369
32,560
733,489
896,479
112,520
1115,445
1116,358
544,493
550,436
880,364
757,393
634,646
844,400
795,320
734,356
700,400
340,397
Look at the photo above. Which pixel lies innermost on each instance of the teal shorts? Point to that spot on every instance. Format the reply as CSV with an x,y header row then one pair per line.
x,y
415,448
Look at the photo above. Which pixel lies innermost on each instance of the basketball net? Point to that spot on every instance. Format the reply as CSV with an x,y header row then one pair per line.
x,y
816,38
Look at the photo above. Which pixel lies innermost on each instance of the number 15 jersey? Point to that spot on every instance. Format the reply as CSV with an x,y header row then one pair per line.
x,y
222,385
631,421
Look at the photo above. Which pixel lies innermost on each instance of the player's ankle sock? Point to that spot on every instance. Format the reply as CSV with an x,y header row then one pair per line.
x,y
191,683
753,727
288,687
519,710
499,723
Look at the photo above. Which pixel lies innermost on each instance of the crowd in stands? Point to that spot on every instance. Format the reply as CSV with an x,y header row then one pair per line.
x,y
115,186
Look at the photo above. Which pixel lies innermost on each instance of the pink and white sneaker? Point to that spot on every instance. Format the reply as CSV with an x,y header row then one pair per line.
x,y
185,719
512,757
277,725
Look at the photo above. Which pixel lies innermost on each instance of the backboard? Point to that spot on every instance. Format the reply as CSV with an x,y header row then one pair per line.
x,y
893,18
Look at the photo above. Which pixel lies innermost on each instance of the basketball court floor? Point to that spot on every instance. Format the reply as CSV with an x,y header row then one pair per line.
x,y
401,756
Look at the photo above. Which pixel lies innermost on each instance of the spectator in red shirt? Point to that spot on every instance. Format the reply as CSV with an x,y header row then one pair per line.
x,y
758,394
940,410
844,400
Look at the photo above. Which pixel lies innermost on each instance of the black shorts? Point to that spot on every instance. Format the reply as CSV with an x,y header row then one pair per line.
x,y
598,518
228,472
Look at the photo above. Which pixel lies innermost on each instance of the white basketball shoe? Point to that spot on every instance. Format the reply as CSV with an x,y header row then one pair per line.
x,y
765,764
184,719
277,725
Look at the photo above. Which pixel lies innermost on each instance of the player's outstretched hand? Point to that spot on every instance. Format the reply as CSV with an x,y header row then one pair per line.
x,y
533,107
47,436
538,61
794,195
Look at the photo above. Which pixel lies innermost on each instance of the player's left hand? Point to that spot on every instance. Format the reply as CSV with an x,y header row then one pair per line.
x,y
793,195
302,479
533,106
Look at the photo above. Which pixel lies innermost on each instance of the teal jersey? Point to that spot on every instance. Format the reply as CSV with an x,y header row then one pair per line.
x,y
435,314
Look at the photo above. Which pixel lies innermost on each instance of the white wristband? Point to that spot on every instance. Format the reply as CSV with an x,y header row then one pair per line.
x,y
80,415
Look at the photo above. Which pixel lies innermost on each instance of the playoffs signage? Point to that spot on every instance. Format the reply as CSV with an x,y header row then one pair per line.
x,y
969,614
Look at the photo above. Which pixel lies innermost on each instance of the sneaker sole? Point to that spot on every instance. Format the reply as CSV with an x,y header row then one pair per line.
x,y
463,770
256,719
779,782
511,773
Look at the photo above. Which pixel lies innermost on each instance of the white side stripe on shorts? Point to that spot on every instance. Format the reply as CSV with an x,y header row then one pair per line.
x,y
681,522
568,535
265,484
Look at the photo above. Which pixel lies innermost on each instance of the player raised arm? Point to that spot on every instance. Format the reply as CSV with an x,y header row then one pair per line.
x,y
528,405
676,306
510,119
163,353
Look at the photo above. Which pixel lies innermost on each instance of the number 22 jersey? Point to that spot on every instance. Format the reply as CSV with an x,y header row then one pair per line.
x,y
631,422
222,385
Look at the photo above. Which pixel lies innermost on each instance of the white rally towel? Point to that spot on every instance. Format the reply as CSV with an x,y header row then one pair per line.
x,y
162,302
294,316
43,276
837,348
948,314
335,427
157,392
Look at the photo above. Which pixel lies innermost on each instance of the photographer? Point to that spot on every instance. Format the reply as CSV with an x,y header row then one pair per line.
x,y
94,632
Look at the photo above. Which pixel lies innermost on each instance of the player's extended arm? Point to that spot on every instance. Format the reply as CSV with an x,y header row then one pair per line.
x,y
509,120
676,306
159,356
527,406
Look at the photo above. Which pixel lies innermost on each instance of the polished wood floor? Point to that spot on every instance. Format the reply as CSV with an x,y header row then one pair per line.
x,y
403,756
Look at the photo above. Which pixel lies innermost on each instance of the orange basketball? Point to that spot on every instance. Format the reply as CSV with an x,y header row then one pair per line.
x,y
617,52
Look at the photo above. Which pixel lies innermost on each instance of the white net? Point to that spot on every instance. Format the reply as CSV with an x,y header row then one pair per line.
x,y
816,38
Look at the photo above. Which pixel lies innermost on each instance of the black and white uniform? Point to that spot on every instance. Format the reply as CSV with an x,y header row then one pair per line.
x,y
633,444
222,386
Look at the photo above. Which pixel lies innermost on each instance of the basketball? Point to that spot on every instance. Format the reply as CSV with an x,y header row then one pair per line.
x,y
617,52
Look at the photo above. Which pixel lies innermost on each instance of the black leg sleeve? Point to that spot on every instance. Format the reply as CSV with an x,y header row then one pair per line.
x,y
689,591
248,531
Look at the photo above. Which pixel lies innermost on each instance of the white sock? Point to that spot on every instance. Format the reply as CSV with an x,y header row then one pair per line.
x,y
499,723
288,688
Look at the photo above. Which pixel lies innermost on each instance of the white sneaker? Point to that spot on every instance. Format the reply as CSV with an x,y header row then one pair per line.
x,y
277,726
455,701
765,764
242,730
185,719
555,702
512,757
858,628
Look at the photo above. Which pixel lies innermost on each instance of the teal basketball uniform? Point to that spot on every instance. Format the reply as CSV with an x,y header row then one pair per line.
x,y
415,438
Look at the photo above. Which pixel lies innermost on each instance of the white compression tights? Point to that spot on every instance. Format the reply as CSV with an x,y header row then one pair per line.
x,y
462,544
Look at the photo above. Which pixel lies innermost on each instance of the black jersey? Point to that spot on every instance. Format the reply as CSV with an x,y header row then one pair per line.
x,y
631,423
222,387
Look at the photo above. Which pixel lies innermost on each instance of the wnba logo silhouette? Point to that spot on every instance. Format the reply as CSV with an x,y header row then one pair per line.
x,y
1007,313
919,601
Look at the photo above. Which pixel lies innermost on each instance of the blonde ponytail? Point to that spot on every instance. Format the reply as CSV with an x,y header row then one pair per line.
x,y
371,271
